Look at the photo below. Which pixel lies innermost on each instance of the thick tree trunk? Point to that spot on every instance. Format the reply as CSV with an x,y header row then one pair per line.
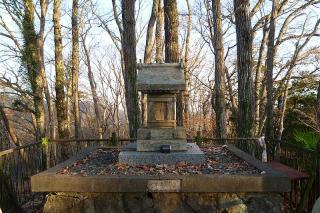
x,y
269,73
245,126
33,64
219,77
130,66
75,68
63,129
149,37
171,24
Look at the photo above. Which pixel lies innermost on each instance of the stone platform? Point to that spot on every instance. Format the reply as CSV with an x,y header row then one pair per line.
x,y
130,156
151,139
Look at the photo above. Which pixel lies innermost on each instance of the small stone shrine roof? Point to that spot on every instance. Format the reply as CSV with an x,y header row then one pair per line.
x,y
160,77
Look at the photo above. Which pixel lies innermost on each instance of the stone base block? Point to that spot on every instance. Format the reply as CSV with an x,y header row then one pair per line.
x,y
161,134
193,155
155,145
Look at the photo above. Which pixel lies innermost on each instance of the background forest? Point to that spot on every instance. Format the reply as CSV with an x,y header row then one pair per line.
x,y
68,68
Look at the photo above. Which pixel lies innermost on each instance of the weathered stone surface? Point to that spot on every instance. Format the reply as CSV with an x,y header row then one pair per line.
x,y
165,77
164,202
161,134
155,145
192,155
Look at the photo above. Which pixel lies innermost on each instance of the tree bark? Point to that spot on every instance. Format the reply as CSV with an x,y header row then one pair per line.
x,y
187,68
75,68
246,103
44,9
32,61
63,129
149,37
219,77
171,23
269,72
130,65
159,36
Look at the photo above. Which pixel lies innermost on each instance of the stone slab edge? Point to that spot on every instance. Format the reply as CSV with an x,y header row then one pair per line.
x,y
272,181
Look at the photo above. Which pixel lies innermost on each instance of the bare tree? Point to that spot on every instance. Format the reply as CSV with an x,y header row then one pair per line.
x,y
149,37
33,64
130,65
63,129
269,71
219,89
246,107
171,23
75,68
93,86
159,32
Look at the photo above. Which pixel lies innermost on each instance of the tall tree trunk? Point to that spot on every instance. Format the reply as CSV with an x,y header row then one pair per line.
x,y
219,77
93,87
269,72
75,68
130,66
63,129
159,32
33,65
44,9
187,68
51,119
246,107
149,37
171,24
257,83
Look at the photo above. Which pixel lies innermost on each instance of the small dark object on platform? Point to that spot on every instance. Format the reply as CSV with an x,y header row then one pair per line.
x,y
165,148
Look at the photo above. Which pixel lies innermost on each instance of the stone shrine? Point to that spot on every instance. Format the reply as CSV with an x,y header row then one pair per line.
x,y
160,140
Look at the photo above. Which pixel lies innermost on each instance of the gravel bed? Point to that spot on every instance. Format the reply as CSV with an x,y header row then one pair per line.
x,y
219,160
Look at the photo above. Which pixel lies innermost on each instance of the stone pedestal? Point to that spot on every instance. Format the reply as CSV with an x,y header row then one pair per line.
x,y
192,155
151,139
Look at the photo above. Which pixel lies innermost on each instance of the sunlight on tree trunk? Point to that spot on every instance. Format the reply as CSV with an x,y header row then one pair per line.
x,y
130,66
75,69
219,77
63,129
245,126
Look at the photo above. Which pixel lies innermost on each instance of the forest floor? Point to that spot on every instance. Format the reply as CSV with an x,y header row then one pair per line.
x,y
219,160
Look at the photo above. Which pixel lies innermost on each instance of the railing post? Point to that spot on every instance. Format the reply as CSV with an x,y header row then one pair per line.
x,y
113,139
